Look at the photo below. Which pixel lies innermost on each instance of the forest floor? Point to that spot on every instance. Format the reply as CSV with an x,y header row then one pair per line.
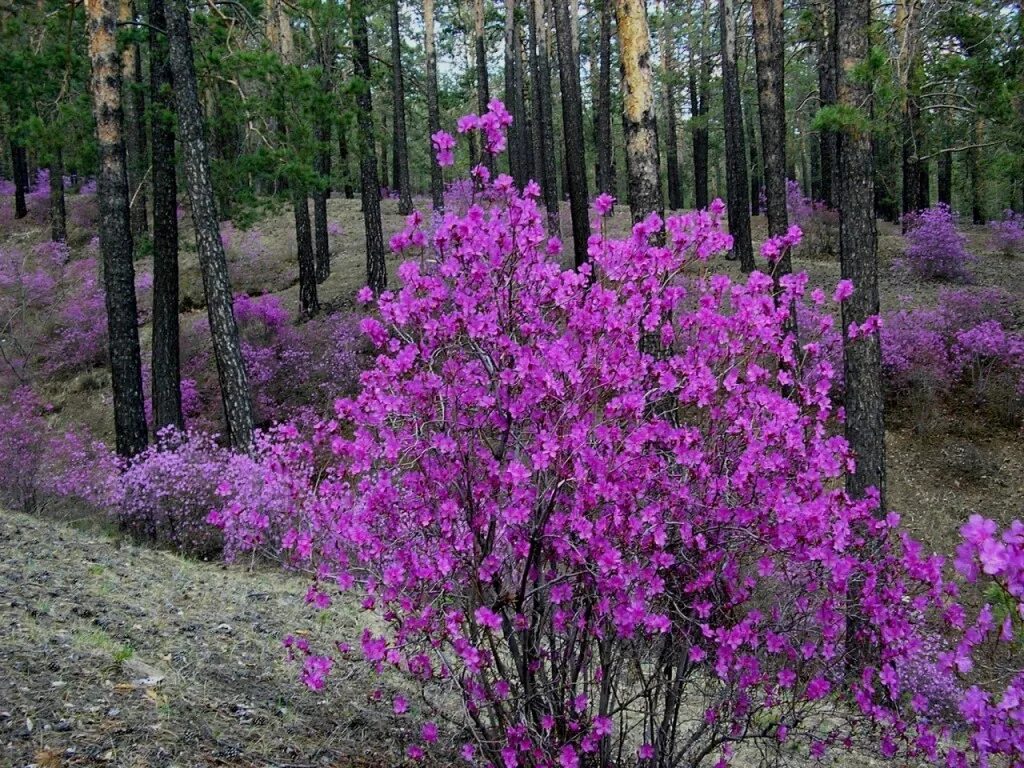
x,y
113,654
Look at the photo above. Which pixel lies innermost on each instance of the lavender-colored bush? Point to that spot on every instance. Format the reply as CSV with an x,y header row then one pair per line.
x,y
936,250
1006,236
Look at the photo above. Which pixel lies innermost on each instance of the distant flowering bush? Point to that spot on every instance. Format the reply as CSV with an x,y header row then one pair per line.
x,y
1006,236
965,339
39,462
935,249
609,556
818,222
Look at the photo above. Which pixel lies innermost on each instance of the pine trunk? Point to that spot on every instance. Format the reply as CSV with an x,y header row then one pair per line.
x,y
234,383
735,147
58,211
320,192
309,303
483,92
572,130
19,169
639,122
376,268
974,173
605,164
165,354
768,48
135,126
699,75
675,187
398,91
384,182
518,153
544,130
756,179
826,97
348,188
433,112
115,230
858,248
946,178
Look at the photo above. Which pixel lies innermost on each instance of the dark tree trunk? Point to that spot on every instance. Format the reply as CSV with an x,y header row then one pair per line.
x,y
572,129
699,76
346,173
227,350
19,169
910,166
544,130
135,126
385,184
433,112
946,178
327,51
323,171
115,231
166,361
826,51
735,147
605,179
768,48
974,173
675,187
58,214
398,92
518,151
756,179
858,248
483,91
309,304
639,123
376,268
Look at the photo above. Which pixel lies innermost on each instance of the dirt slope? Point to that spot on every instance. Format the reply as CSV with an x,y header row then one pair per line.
x,y
112,654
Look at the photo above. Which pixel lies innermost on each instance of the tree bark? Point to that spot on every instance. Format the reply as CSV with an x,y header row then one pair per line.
x,y
384,182
309,303
322,254
605,164
376,268
433,112
735,147
572,130
398,93
826,97
544,130
675,187
639,122
346,173
227,351
326,52
58,211
165,354
115,230
518,152
858,248
768,49
699,76
19,169
483,92
946,178
756,179
135,125
974,172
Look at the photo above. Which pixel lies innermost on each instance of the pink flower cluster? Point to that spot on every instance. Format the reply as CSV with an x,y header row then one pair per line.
x,y
1006,236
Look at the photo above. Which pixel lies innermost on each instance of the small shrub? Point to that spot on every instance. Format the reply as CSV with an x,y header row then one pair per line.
x,y
935,249
1006,236
818,222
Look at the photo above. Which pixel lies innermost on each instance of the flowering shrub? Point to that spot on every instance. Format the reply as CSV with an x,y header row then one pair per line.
x,y
289,367
38,461
818,222
606,555
965,339
935,249
1007,235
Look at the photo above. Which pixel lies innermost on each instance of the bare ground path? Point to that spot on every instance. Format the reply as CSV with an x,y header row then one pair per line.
x,y
117,655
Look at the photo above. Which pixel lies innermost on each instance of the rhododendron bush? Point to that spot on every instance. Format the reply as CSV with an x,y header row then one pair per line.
x,y
609,556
